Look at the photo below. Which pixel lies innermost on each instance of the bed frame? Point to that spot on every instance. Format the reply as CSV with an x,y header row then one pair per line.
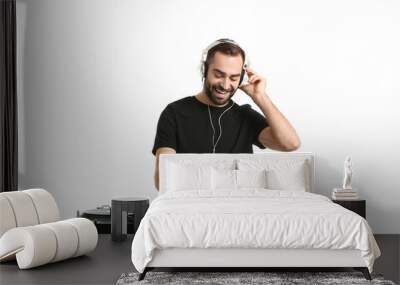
x,y
248,259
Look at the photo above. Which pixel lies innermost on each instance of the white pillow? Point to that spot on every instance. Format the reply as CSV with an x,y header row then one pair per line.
x,y
293,179
282,174
223,179
251,178
227,179
181,177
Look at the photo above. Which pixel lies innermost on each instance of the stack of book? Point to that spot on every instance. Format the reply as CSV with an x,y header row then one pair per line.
x,y
344,194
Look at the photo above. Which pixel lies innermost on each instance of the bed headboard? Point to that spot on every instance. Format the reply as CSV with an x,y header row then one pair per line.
x,y
215,158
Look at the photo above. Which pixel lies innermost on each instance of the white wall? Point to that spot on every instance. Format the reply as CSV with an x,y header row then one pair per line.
x,y
95,75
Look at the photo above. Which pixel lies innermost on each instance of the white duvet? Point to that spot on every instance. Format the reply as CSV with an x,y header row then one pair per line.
x,y
251,218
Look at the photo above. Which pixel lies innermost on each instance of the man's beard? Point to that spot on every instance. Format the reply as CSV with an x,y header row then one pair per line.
x,y
210,89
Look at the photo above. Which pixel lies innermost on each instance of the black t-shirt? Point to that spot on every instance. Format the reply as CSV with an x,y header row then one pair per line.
x,y
185,126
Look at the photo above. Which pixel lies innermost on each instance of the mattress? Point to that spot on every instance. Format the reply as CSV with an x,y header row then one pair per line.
x,y
250,218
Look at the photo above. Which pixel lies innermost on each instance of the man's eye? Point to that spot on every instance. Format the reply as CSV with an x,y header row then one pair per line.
x,y
218,75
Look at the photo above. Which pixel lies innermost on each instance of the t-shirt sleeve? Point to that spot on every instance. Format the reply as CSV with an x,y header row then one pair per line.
x,y
257,123
166,130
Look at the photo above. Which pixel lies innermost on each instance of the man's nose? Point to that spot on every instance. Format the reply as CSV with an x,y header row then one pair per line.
x,y
227,84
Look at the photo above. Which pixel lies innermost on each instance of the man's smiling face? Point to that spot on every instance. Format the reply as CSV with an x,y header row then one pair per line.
x,y
223,77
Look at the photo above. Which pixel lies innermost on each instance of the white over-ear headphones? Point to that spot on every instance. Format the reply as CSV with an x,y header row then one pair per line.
x,y
203,64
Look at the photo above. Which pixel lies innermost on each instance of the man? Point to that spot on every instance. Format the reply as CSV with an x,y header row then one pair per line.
x,y
211,122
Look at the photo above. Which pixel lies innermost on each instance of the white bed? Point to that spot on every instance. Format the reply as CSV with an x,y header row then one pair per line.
x,y
221,216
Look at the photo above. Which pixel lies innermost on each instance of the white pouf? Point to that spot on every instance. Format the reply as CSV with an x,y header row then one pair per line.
x,y
31,232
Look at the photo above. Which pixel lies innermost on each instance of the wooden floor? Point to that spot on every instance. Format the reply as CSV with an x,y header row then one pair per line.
x,y
111,259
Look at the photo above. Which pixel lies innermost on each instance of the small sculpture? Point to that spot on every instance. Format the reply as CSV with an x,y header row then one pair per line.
x,y
348,173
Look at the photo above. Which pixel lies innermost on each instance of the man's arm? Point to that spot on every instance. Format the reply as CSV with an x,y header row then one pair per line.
x,y
279,135
156,172
165,141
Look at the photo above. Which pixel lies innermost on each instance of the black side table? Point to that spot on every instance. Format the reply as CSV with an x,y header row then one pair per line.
x,y
101,217
123,209
357,206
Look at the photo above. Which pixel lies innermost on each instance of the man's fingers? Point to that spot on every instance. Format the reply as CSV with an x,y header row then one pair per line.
x,y
254,78
250,71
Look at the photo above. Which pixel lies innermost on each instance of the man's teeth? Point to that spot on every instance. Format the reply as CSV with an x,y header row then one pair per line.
x,y
220,92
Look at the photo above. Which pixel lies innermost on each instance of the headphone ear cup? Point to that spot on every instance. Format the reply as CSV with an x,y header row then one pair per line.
x,y
205,70
202,70
243,78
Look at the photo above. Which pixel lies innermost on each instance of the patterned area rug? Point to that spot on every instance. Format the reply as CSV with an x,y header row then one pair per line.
x,y
229,278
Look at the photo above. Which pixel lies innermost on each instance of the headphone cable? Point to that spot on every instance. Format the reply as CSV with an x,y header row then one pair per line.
x,y
219,123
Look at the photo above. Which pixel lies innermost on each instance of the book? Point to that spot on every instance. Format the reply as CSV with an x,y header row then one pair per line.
x,y
345,194
341,190
336,197
346,199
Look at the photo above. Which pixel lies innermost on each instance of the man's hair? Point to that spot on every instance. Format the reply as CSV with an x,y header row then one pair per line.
x,y
224,48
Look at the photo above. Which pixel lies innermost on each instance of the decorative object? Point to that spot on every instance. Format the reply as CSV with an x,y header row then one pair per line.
x,y
347,192
348,173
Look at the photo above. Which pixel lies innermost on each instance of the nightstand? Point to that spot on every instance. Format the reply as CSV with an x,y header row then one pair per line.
x,y
123,210
357,206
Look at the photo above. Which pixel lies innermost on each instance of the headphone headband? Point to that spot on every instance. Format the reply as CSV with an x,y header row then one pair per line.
x,y
204,66
222,41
